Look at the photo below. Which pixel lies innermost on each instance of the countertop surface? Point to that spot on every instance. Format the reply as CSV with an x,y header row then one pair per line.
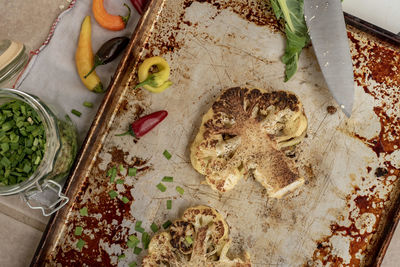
x,y
20,227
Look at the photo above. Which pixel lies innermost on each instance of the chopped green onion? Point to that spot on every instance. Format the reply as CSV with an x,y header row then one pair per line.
x,y
112,173
83,211
133,241
180,190
78,230
189,240
121,168
154,227
166,154
122,256
161,187
169,204
119,181
125,200
113,194
133,264
167,224
80,244
168,179
145,240
76,113
132,171
137,250
138,227
88,104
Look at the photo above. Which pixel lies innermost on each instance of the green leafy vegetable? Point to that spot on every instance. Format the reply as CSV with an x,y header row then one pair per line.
x,y
122,256
119,181
297,37
132,264
169,204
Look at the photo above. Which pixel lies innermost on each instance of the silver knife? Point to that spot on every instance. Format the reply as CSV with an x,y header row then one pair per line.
x,y
327,30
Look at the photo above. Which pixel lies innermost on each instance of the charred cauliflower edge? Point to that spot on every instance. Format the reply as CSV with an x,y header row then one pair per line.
x,y
199,238
247,132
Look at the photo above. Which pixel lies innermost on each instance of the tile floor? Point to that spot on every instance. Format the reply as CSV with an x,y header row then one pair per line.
x,y
29,21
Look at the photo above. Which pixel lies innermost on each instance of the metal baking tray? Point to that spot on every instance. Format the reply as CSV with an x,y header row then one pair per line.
x,y
346,212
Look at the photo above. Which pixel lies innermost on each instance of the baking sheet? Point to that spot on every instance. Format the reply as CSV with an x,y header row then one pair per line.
x,y
351,166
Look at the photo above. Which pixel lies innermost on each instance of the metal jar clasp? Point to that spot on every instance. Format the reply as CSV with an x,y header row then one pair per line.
x,y
47,197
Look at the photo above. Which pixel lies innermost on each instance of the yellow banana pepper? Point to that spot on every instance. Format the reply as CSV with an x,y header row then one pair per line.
x,y
154,82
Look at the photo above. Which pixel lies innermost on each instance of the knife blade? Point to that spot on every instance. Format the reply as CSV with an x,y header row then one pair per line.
x,y
327,30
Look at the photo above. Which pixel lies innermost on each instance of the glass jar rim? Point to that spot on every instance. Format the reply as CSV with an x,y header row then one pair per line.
x,y
52,146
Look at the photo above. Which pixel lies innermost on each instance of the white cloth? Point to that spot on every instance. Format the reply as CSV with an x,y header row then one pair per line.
x,y
51,74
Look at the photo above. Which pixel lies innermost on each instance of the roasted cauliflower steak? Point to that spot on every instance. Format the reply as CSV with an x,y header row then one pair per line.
x,y
247,132
199,239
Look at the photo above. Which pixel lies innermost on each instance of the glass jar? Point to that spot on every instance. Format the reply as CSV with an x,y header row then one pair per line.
x,y
13,57
42,190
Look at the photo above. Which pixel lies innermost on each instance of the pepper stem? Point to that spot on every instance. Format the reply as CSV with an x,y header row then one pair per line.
x,y
150,81
129,132
126,18
97,62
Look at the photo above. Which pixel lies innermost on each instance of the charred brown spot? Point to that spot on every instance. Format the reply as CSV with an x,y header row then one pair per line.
x,y
379,172
331,109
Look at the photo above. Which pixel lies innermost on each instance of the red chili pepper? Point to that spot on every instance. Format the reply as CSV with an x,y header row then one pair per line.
x,y
145,124
139,5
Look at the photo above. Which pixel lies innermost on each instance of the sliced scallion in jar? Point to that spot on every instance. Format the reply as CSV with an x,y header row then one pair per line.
x,y
22,142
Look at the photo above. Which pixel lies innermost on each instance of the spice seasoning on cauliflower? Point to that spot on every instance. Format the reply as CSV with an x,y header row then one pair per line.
x,y
245,133
199,238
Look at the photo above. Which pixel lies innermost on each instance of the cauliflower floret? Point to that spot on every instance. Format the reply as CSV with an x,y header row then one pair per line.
x,y
200,239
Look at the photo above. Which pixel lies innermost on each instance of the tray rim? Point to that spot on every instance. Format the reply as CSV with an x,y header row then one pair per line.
x,y
97,132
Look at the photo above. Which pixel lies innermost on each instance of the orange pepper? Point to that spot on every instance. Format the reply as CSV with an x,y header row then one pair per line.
x,y
108,21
